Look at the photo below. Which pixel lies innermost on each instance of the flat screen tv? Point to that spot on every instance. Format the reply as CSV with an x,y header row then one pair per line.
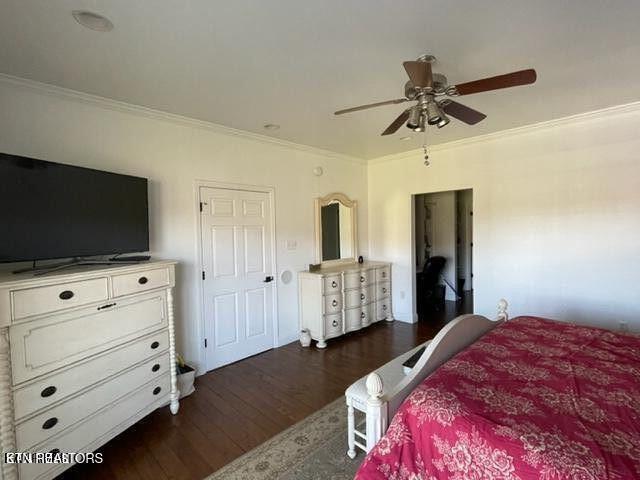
x,y
50,210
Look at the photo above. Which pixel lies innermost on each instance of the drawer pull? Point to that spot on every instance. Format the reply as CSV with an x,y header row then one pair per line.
x,y
362,315
155,368
155,345
334,284
50,423
48,391
143,280
384,290
157,390
66,295
334,303
384,307
362,279
362,297
108,305
334,323
384,274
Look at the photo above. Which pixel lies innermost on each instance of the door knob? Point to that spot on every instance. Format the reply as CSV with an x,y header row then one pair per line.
x,y
268,279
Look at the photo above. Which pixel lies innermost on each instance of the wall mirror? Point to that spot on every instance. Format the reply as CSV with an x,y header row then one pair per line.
x,y
336,229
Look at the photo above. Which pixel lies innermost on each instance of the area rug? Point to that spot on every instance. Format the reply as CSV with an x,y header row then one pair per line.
x,y
314,448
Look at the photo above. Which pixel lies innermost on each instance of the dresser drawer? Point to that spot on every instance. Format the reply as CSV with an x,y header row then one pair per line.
x,y
78,438
368,314
53,298
353,318
382,274
358,279
44,345
332,304
332,325
362,296
382,309
61,417
47,391
332,284
383,290
140,281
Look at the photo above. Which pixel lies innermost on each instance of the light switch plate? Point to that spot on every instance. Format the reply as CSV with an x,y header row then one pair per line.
x,y
291,244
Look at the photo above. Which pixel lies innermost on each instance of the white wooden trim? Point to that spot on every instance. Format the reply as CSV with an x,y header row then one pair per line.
x,y
453,338
146,112
118,106
347,202
271,191
594,115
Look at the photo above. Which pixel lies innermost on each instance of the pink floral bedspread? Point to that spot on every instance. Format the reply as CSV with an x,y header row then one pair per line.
x,y
532,399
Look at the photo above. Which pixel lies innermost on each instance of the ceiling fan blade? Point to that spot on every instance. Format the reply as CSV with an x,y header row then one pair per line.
x,y
463,113
372,105
419,73
514,79
397,123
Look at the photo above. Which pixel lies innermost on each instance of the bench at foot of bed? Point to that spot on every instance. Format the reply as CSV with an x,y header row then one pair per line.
x,y
357,395
380,393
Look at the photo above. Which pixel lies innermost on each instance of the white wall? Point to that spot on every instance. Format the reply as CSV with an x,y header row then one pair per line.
x,y
419,217
464,200
172,153
443,243
556,217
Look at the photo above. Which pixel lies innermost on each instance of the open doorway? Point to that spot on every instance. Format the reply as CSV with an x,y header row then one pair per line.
x,y
443,254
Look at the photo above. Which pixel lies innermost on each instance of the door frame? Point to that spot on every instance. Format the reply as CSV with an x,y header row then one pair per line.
x,y
413,270
202,327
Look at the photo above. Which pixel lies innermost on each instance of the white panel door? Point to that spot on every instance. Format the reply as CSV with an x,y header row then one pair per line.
x,y
238,274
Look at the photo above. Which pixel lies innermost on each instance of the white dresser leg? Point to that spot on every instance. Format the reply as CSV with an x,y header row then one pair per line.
x,y
321,343
175,394
390,316
351,427
8,471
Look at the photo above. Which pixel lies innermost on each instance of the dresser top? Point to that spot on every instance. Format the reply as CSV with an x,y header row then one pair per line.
x,y
76,272
346,267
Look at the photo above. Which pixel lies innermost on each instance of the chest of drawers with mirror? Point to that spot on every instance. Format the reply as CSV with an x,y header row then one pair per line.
x,y
342,295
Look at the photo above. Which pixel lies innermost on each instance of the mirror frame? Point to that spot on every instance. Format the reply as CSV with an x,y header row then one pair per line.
x,y
347,202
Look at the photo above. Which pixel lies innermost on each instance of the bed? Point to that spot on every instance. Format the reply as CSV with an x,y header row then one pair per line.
x,y
531,398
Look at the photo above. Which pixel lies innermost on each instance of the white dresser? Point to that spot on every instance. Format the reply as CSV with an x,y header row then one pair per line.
x,y
84,354
344,298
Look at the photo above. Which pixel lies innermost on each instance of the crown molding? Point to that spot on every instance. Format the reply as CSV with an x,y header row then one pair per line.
x,y
115,105
600,114
107,103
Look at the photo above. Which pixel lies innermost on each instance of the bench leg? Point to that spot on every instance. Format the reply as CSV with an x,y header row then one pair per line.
x,y
351,427
376,420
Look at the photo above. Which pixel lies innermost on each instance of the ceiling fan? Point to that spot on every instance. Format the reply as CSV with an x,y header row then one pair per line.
x,y
428,89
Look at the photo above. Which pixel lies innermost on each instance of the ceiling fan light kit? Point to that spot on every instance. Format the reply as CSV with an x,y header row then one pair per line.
x,y
413,122
428,89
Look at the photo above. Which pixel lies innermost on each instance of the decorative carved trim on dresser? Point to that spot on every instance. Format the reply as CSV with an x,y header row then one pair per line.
x,y
84,355
343,298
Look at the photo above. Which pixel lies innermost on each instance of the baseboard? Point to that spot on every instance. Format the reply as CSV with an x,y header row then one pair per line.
x,y
282,341
406,317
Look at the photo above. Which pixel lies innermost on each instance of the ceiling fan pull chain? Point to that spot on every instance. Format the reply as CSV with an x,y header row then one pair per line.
x,y
424,148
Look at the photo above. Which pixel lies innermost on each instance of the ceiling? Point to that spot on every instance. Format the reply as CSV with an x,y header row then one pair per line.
x,y
246,63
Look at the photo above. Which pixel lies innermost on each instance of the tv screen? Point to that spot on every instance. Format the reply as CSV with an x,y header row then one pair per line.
x,y
50,210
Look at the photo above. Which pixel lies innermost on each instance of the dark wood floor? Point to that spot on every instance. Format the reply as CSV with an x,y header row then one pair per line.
x,y
239,406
